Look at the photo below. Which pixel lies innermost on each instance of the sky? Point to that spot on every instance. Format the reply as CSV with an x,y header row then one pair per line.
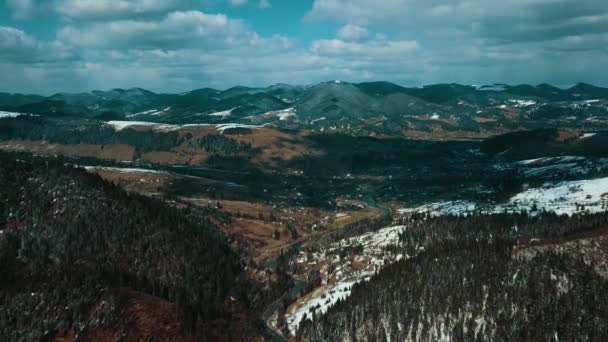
x,y
49,46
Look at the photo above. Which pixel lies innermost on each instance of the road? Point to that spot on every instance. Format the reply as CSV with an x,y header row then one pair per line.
x,y
275,334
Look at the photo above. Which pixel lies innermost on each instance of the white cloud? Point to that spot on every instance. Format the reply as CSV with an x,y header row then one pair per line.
x,y
177,30
352,33
378,49
116,9
264,4
441,10
237,3
18,47
359,11
21,9
158,45
504,21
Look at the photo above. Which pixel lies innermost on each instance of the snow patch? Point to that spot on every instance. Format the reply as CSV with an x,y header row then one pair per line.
x,y
442,208
567,197
4,114
223,127
223,114
123,170
312,122
373,256
322,299
284,114
588,135
120,125
522,103
153,112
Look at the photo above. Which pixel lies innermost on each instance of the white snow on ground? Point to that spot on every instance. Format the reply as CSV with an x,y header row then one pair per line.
x,y
284,114
442,208
554,160
562,197
196,125
568,197
522,103
154,112
324,298
530,161
123,170
373,257
592,101
551,166
120,125
588,135
223,127
312,122
223,114
145,112
4,114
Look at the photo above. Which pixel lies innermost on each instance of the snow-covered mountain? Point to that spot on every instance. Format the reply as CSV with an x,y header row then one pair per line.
x,y
372,108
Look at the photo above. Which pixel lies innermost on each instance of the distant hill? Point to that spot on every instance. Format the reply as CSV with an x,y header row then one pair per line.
x,y
369,108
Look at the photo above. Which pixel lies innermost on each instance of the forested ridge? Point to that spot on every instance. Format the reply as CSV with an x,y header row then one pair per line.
x,y
86,132
464,282
67,237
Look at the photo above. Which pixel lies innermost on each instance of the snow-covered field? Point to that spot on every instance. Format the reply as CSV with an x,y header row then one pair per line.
x,y
123,170
312,122
563,165
340,274
4,114
120,125
442,208
522,103
154,112
567,197
282,115
223,127
223,114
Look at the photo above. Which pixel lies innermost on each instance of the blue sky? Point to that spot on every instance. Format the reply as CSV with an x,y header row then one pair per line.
x,y
49,46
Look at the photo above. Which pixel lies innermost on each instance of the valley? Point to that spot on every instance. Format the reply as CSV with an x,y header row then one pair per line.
x,y
314,215
303,171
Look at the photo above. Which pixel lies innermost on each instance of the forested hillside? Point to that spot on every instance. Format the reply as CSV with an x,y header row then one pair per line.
x,y
464,282
82,257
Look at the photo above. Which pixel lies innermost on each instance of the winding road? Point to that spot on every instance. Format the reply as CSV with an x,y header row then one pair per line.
x,y
275,334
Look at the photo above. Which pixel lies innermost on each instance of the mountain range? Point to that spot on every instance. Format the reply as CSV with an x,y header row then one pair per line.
x,y
371,108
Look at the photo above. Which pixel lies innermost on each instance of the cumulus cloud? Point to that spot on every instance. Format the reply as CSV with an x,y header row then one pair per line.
x,y
167,46
177,30
378,50
481,40
21,9
351,32
237,3
507,21
116,9
18,47
264,4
